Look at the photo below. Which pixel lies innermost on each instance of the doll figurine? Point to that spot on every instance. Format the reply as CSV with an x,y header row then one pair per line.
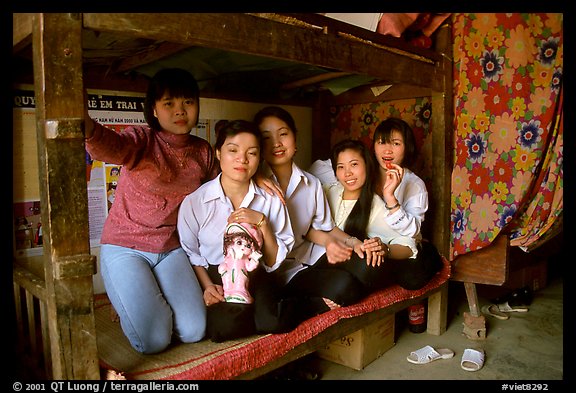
x,y
242,243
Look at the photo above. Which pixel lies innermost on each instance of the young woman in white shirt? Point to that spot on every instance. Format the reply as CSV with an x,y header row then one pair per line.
x,y
360,212
233,196
405,194
395,151
282,304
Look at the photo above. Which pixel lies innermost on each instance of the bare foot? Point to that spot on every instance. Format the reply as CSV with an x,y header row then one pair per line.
x,y
114,375
330,303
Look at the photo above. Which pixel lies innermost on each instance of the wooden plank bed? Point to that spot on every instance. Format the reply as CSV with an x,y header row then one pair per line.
x,y
55,302
252,357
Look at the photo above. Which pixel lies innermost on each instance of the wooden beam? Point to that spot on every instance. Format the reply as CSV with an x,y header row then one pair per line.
x,y
442,145
314,80
488,265
263,37
334,26
364,94
160,51
21,31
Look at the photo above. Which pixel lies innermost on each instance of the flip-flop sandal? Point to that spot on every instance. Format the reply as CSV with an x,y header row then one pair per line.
x,y
472,359
428,354
506,307
493,310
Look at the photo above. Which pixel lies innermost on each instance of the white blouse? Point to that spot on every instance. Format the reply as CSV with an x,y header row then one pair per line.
x,y
308,208
411,194
203,216
377,223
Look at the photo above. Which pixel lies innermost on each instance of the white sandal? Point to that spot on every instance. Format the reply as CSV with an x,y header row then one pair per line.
x,y
428,354
472,359
506,307
493,310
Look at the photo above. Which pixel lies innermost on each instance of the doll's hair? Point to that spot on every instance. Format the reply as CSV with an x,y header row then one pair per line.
x,y
247,231
175,82
230,238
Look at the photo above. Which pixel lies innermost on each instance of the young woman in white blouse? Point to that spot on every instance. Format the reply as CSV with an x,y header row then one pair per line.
x,y
233,196
360,212
282,304
405,194
394,147
403,191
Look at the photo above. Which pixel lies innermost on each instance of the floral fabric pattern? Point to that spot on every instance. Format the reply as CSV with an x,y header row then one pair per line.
x,y
508,142
508,130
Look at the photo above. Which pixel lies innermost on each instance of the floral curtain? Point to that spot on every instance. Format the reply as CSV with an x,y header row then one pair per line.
x,y
508,130
508,135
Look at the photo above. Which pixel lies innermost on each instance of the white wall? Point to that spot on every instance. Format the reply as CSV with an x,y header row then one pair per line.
x,y
232,110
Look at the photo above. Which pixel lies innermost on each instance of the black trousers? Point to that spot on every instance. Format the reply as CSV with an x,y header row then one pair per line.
x,y
280,309
226,320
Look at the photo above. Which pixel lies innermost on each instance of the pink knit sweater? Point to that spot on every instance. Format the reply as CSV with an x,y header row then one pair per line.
x,y
158,170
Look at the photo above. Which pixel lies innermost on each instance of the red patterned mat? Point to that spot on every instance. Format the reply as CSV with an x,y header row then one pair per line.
x,y
207,360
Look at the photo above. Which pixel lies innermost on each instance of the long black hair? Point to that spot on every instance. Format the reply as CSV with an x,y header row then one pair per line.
x,y
357,221
174,81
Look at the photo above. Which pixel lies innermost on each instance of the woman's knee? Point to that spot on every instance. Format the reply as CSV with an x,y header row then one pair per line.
x,y
154,342
194,332
344,289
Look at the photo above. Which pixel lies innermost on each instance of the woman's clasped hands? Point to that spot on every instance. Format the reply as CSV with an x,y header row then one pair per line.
x,y
374,249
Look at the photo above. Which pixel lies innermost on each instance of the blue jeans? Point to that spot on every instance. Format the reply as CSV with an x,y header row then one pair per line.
x,y
155,296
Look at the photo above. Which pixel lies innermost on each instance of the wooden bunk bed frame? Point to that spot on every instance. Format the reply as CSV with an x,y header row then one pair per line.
x,y
64,332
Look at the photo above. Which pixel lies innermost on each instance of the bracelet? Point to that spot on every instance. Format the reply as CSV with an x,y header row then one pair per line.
x,y
350,238
393,207
387,249
261,221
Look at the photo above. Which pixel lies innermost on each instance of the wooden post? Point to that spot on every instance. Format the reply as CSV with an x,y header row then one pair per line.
x,y
69,267
442,145
438,311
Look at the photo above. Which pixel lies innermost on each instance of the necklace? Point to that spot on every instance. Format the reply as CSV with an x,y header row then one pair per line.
x,y
344,209
174,153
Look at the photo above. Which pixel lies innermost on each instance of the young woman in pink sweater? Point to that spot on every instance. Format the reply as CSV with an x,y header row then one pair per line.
x,y
146,273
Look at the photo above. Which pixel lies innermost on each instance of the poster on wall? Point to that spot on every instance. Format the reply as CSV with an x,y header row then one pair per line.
x,y
115,111
27,228
26,217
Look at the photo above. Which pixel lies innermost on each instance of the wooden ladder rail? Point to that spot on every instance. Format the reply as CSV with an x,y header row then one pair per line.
x,y
68,265
33,341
